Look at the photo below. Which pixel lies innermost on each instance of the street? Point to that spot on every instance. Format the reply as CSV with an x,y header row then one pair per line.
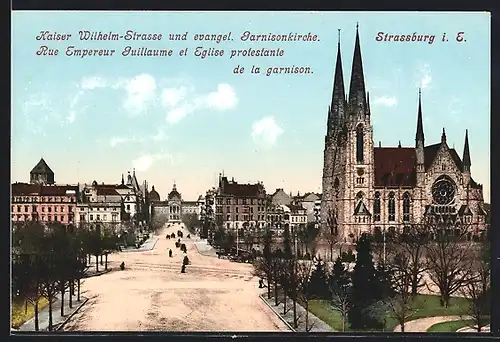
x,y
152,295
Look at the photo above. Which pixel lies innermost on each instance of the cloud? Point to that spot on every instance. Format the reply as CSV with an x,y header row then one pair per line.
x,y
144,162
140,92
223,99
37,109
423,76
182,101
170,97
385,101
266,131
455,109
92,82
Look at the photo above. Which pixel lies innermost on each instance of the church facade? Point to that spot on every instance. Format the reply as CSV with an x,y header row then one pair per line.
x,y
368,189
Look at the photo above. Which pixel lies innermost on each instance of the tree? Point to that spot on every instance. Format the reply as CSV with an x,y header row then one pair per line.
x,y
330,234
286,266
263,266
363,278
318,287
339,285
304,269
401,302
48,264
449,258
27,241
412,243
191,221
276,272
478,290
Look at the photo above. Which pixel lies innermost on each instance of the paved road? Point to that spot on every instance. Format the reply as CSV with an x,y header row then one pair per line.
x,y
152,295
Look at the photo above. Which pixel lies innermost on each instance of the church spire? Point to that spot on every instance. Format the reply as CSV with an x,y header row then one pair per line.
x,y
357,92
466,157
337,107
419,137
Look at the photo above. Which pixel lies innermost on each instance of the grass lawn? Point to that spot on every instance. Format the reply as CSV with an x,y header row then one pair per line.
x,y
20,314
452,326
423,305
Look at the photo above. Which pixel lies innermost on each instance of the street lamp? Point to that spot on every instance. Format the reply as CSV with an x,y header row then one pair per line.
x,y
383,233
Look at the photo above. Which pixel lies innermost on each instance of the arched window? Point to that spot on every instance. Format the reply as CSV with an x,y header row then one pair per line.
x,y
376,207
392,207
406,207
359,144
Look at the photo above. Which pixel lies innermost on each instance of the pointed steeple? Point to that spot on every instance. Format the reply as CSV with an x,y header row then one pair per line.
x,y
367,103
336,112
357,92
466,157
123,180
443,136
419,137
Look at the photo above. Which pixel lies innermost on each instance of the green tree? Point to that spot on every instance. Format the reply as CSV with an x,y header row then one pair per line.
x,y
363,292
318,287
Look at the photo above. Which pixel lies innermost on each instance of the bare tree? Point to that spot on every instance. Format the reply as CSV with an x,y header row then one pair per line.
x,y
339,285
400,304
412,243
330,234
263,266
478,290
449,257
303,276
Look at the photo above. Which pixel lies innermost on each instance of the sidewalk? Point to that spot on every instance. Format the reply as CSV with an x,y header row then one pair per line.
x,y
204,248
58,321
317,324
146,246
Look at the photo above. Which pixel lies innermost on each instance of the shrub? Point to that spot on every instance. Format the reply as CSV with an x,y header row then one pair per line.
x,y
122,266
348,256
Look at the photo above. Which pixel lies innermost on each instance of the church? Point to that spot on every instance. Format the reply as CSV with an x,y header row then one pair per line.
x,y
368,189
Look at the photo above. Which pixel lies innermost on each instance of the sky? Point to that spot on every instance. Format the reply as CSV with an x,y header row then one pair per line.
x,y
185,119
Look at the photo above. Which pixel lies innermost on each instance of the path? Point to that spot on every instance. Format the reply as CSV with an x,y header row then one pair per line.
x,y
423,324
152,295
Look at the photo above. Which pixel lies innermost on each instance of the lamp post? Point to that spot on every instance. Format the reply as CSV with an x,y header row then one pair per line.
x,y
383,233
237,241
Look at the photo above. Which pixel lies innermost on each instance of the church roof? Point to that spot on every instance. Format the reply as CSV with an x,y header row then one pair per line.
x,y
174,193
42,167
395,166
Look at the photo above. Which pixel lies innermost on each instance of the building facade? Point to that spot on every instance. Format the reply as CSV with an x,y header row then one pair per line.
x,y
240,206
368,189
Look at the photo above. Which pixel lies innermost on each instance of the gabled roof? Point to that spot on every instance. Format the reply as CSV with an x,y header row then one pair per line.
x,y
361,209
464,210
42,167
431,151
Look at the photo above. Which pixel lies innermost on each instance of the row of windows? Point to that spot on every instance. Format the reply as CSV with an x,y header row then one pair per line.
x,y
99,209
34,208
243,201
391,207
34,199
48,218
114,217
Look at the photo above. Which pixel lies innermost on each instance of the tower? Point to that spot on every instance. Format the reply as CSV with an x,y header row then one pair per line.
x,y
359,154
333,145
42,174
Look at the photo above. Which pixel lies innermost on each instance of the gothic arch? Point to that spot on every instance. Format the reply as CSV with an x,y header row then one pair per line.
x,y
359,144
376,207
406,207
336,183
391,207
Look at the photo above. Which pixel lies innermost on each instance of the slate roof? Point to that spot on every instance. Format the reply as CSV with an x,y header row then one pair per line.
x,y
24,189
396,166
154,195
240,190
42,167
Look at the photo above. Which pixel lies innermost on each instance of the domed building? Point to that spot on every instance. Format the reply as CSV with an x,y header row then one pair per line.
x,y
174,200
154,196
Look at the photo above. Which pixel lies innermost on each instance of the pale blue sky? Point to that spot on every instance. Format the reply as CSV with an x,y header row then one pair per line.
x,y
187,119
